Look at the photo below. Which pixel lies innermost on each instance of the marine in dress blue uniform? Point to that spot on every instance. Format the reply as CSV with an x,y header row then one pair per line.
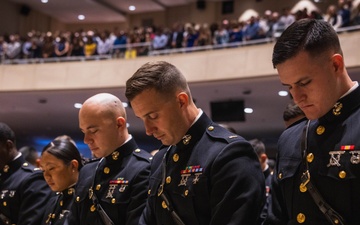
x,y
212,177
119,181
333,157
24,193
58,207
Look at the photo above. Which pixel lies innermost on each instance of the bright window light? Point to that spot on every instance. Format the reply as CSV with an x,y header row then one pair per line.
x,y
248,110
283,93
132,8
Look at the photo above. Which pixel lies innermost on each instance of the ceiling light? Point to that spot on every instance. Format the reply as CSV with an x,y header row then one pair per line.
x,y
44,1
132,8
283,93
78,105
248,110
125,104
81,17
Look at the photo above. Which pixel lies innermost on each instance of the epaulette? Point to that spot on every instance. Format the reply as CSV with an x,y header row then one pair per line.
x,y
219,132
142,154
91,160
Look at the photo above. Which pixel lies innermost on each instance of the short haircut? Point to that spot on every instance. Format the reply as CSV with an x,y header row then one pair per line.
x,y
258,146
6,133
162,76
292,111
310,35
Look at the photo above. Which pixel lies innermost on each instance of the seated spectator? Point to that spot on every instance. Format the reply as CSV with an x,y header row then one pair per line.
x,y
160,40
204,35
235,32
104,44
13,47
333,17
355,15
90,44
62,46
287,18
76,45
253,30
344,12
221,35
48,49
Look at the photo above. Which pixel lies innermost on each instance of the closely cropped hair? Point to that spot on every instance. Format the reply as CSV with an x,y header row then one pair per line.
x,y
162,76
258,146
6,133
292,111
65,150
310,35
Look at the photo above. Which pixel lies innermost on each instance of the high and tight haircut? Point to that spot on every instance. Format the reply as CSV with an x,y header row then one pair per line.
x,y
6,133
292,111
162,76
258,146
310,35
65,150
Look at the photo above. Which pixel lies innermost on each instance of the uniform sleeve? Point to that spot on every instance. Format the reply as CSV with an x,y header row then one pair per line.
x,y
138,195
238,186
274,213
34,196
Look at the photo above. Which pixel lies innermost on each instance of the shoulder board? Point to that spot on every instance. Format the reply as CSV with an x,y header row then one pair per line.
x,y
91,161
142,154
219,132
28,167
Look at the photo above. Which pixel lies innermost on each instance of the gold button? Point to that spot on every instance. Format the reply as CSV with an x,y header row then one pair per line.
x,y
61,203
211,128
280,175
163,204
4,204
342,174
300,218
115,155
106,170
92,208
25,164
168,180
302,188
70,191
77,198
320,130
310,157
137,150
149,191
336,221
6,168
113,201
98,187
186,193
176,157
53,216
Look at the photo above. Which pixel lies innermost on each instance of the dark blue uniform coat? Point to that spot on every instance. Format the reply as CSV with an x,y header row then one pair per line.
x,y
58,207
24,193
334,162
120,184
212,177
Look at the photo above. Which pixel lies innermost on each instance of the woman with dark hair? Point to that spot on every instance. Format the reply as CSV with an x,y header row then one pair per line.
x,y
60,162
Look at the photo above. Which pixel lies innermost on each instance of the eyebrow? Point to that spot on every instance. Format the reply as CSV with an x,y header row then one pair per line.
x,y
297,82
